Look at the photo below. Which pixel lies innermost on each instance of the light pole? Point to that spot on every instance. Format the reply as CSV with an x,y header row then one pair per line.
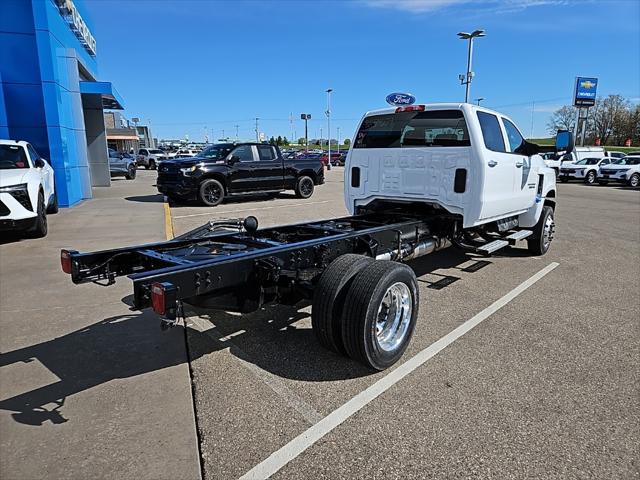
x,y
466,80
478,100
237,126
257,139
328,112
306,117
338,130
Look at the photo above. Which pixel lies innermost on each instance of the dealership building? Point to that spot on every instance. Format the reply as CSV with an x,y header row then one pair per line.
x,y
51,94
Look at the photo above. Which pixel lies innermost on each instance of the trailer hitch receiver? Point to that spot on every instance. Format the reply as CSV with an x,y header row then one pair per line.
x,y
163,299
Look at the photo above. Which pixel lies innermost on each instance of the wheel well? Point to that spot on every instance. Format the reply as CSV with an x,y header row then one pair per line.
x,y
309,173
216,176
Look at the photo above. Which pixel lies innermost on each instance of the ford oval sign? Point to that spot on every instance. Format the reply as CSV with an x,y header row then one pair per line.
x,y
400,99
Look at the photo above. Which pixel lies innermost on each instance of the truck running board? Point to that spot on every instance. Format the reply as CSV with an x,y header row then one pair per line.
x,y
489,248
519,235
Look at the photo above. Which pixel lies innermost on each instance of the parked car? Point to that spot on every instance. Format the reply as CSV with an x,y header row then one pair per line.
x,y
335,158
149,158
186,153
615,154
121,165
27,189
227,169
622,170
578,153
586,169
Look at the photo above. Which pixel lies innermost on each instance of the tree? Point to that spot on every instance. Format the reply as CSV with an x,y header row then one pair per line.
x,y
562,119
279,140
272,141
301,141
347,142
285,142
606,114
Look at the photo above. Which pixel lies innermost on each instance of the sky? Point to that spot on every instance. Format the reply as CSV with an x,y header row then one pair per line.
x,y
200,67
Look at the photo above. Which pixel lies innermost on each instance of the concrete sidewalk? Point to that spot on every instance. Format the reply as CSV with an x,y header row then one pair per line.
x,y
88,388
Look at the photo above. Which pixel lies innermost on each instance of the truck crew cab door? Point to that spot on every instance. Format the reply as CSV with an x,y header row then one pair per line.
x,y
499,170
270,174
526,181
243,169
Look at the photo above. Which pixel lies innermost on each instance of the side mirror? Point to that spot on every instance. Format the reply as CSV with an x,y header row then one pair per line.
x,y
233,159
564,142
39,163
121,156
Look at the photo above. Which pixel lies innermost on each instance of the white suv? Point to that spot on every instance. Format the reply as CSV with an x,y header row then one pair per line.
x,y
586,169
27,191
150,157
622,170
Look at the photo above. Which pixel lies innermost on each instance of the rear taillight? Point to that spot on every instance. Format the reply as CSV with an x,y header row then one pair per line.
x,y
158,298
65,261
410,108
163,299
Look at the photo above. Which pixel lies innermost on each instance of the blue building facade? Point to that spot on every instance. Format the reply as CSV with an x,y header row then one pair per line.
x,y
49,93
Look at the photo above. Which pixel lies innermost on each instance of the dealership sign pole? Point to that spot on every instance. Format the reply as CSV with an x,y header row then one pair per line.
x,y
584,97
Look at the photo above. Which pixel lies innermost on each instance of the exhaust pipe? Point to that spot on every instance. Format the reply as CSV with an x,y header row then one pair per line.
x,y
407,252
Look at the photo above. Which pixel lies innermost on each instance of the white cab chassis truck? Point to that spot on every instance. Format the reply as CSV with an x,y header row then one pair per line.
x,y
418,178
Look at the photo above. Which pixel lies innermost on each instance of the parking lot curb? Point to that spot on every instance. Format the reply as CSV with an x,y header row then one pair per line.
x,y
168,223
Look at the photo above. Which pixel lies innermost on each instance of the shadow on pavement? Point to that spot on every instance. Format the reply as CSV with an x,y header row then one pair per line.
x,y
157,197
125,346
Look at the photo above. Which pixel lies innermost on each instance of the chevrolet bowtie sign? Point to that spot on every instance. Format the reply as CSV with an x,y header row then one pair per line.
x,y
70,13
585,92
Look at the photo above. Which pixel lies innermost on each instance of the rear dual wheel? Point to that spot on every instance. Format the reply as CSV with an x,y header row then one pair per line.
x,y
366,309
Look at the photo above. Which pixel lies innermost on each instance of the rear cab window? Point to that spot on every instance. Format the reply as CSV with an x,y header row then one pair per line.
x,y
491,132
266,152
431,128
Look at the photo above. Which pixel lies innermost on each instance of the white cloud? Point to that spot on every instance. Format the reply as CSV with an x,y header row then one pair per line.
x,y
494,6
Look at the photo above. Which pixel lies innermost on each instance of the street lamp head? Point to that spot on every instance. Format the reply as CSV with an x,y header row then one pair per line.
x,y
329,90
478,33
464,35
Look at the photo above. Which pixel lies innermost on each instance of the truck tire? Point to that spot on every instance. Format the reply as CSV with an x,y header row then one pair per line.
x,y
40,228
564,179
603,182
538,243
304,187
380,313
151,165
131,173
634,180
211,192
328,299
591,177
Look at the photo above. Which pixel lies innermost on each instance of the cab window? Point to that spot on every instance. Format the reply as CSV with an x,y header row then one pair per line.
x,y
266,152
516,142
244,153
491,132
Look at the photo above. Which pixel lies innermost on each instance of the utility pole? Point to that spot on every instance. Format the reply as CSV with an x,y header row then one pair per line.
x,y
329,126
466,80
291,125
223,133
338,130
533,109
257,136
237,126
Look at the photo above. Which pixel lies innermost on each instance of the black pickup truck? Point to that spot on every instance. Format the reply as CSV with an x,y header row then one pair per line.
x,y
227,169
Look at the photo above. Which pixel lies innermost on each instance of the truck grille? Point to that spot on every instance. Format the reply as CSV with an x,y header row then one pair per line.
x,y
4,210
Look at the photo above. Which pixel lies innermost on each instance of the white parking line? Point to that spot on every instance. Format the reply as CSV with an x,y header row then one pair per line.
x,y
250,209
295,447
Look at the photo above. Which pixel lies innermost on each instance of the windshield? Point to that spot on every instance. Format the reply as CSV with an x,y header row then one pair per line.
x,y
12,156
627,161
588,161
216,151
435,128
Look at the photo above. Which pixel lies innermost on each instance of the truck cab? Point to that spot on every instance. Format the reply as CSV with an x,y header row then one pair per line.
x,y
459,158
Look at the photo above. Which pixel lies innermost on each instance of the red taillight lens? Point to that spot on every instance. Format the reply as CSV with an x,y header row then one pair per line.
x,y
410,108
65,261
158,298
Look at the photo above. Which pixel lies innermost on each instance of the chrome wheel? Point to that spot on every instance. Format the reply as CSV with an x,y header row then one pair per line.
x,y
548,230
394,316
634,181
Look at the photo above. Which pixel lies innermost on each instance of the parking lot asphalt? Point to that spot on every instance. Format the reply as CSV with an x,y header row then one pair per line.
x,y
546,387
89,388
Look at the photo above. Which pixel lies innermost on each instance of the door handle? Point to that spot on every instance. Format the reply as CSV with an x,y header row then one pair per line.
x,y
492,163
519,164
